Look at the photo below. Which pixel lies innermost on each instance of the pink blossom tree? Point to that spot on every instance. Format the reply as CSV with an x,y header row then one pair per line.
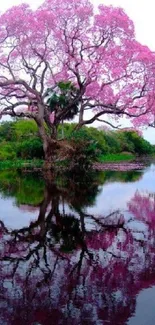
x,y
109,72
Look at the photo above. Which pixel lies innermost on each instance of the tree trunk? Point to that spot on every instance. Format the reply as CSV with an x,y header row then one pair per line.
x,y
81,113
50,150
49,159
49,144
62,124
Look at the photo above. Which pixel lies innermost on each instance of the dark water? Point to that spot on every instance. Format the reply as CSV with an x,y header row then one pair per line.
x,y
77,252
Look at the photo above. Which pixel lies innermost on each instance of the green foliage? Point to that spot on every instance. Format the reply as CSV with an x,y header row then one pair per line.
x,y
60,99
124,144
112,142
141,146
116,157
7,152
153,149
17,130
30,148
99,138
85,149
67,128
66,86
85,152
6,131
23,129
19,140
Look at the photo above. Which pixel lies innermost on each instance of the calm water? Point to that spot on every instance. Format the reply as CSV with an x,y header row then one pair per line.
x,y
77,252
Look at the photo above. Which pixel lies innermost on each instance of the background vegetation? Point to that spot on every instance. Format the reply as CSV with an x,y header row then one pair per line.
x,y
19,141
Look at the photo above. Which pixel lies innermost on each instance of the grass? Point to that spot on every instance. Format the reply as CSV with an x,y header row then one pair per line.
x,y
120,157
14,164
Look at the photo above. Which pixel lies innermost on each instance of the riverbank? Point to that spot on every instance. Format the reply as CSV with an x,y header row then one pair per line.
x,y
120,162
120,166
123,162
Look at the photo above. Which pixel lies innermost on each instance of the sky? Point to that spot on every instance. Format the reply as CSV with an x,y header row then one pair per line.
x,y
141,12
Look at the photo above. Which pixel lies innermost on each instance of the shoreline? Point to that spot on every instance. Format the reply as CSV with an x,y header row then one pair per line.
x,y
120,166
36,165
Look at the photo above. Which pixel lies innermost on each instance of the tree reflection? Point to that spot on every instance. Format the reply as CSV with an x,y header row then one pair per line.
x,y
69,267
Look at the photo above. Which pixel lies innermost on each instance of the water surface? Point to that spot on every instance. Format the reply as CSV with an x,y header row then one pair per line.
x,y
78,252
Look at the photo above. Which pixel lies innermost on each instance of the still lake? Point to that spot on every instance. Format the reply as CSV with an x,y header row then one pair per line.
x,y
77,251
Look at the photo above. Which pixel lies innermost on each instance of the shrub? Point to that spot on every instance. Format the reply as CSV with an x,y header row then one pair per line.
x,y
6,131
30,149
112,142
85,152
22,129
126,144
7,152
141,146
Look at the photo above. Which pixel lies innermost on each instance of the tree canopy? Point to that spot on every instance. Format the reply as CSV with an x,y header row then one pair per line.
x,y
92,51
